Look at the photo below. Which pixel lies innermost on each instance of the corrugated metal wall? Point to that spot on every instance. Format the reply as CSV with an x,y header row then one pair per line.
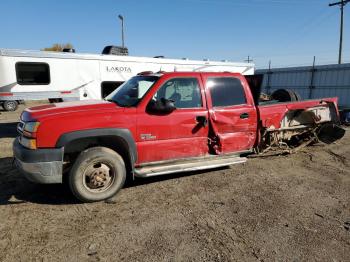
x,y
311,82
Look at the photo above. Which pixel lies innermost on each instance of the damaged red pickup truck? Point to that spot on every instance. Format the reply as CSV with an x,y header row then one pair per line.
x,y
163,123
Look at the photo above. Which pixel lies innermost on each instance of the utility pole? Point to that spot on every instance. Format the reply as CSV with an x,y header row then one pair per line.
x,y
342,3
251,60
269,73
122,20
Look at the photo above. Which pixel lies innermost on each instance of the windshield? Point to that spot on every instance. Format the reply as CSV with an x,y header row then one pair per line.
x,y
132,91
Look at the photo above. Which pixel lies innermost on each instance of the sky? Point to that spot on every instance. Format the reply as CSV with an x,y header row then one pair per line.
x,y
285,32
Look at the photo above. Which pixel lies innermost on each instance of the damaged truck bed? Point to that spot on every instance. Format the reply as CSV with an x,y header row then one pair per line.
x,y
287,127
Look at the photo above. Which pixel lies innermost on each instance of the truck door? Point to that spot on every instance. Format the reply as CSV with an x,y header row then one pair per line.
x,y
232,112
180,134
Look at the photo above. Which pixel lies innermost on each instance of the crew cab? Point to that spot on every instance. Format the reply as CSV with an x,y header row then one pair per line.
x,y
161,123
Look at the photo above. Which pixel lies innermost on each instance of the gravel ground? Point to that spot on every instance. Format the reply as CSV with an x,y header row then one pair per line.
x,y
286,208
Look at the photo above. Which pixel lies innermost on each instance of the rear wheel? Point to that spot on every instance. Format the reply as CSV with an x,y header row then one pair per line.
x,y
97,174
10,105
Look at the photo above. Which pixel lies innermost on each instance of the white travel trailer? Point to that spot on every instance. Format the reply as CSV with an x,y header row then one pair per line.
x,y
64,76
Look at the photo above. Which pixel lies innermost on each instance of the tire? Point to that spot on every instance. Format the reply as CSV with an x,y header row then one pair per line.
x,y
10,105
97,174
297,96
283,95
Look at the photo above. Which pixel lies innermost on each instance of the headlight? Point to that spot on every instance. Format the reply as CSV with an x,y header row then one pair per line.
x,y
31,127
28,143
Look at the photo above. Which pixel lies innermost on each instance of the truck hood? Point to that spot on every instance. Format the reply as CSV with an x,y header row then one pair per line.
x,y
43,111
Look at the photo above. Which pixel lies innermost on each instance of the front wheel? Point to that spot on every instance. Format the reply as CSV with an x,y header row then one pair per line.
x,y
97,174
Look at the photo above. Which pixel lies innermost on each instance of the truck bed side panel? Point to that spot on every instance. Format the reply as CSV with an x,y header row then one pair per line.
x,y
272,115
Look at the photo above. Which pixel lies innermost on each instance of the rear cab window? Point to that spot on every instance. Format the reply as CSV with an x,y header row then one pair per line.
x,y
226,91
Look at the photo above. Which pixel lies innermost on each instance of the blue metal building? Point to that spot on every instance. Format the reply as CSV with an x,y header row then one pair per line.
x,y
311,81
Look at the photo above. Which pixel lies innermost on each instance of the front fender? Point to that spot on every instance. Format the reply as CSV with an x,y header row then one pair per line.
x,y
120,133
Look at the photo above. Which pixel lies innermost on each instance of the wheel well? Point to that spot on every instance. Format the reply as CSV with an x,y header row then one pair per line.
x,y
118,144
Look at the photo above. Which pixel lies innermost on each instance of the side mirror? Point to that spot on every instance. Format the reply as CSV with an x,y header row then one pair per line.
x,y
162,106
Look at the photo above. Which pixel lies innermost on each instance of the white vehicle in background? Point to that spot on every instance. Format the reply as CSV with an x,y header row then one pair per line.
x,y
66,76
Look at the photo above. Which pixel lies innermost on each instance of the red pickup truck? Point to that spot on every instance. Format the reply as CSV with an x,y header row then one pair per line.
x,y
162,123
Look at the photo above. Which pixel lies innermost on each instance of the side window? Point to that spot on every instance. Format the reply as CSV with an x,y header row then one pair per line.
x,y
226,91
29,73
185,92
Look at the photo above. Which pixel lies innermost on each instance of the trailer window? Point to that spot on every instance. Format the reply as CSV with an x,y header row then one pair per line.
x,y
226,91
29,73
132,91
108,87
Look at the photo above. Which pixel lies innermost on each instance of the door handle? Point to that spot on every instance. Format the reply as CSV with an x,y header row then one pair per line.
x,y
202,120
244,115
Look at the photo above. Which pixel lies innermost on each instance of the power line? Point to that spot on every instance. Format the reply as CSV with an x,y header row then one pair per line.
x,y
342,3
302,31
250,3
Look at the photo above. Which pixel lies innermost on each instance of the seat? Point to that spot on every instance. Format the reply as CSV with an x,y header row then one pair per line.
x,y
176,97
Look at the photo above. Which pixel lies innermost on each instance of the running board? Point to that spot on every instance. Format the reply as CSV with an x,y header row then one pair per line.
x,y
186,166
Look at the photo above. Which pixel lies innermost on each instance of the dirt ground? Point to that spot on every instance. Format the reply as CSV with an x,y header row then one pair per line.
x,y
286,208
